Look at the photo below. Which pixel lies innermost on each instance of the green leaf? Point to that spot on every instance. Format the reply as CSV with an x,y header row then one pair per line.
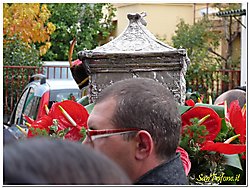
x,y
218,109
84,21
233,160
83,133
84,100
53,128
224,128
183,109
89,107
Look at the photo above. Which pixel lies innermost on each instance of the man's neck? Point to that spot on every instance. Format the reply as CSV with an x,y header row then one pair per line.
x,y
146,165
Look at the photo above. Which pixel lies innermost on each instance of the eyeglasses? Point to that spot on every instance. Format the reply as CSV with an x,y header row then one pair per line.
x,y
92,135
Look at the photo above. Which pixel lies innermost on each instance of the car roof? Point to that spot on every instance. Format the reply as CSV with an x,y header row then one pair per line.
x,y
55,84
52,85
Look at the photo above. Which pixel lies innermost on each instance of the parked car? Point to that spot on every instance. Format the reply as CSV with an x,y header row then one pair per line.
x,y
36,95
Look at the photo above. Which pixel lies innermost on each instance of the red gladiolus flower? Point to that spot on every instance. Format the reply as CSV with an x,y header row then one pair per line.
x,y
224,148
185,159
75,110
213,123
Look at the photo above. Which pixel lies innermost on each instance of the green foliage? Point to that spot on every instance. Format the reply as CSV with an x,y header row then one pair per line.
x,y
38,131
17,52
193,135
84,21
83,133
197,39
226,6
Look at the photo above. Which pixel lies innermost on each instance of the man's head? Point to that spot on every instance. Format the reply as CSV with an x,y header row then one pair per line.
x,y
149,107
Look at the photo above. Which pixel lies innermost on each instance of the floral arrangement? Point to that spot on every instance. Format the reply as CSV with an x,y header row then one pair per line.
x,y
66,119
214,137
213,141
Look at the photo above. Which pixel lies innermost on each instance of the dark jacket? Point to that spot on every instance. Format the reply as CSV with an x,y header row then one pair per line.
x,y
169,173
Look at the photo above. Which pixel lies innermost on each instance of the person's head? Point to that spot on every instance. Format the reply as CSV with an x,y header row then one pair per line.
x,y
51,161
149,110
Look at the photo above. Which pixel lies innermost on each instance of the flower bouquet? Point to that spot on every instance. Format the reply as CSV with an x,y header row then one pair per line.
x,y
212,146
66,120
215,138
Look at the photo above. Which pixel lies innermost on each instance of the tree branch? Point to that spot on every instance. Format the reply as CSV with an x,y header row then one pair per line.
x,y
215,53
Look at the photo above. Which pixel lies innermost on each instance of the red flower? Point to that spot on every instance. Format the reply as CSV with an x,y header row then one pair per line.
x,y
190,102
76,111
42,123
185,159
28,119
224,148
213,123
237,120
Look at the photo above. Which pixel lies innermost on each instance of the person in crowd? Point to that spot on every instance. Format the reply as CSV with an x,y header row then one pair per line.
x,y
136,123
47,161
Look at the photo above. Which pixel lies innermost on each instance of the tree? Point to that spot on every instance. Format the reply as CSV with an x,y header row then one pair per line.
x,y
24,26
231,30
17,52
197,39
28,22
86,22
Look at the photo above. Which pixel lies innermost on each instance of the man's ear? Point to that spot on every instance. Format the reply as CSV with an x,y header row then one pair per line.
x,y
144,145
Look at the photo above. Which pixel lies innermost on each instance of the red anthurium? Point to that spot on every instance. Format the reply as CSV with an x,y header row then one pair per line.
x,y
75,110
42,123
74,134
190,102
224,148
238,120
185,159
28,119
213,123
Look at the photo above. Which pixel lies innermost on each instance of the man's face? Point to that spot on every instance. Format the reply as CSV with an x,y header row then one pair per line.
x,y
114,146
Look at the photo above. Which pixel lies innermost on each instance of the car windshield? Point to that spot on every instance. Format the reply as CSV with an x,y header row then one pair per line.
x,y
65,94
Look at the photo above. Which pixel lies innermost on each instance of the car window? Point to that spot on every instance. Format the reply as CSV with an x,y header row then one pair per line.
x,y
19,107
65,94
28,105
31,105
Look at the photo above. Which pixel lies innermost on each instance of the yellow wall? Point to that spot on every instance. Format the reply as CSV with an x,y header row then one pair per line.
x,y
162,19
236,49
